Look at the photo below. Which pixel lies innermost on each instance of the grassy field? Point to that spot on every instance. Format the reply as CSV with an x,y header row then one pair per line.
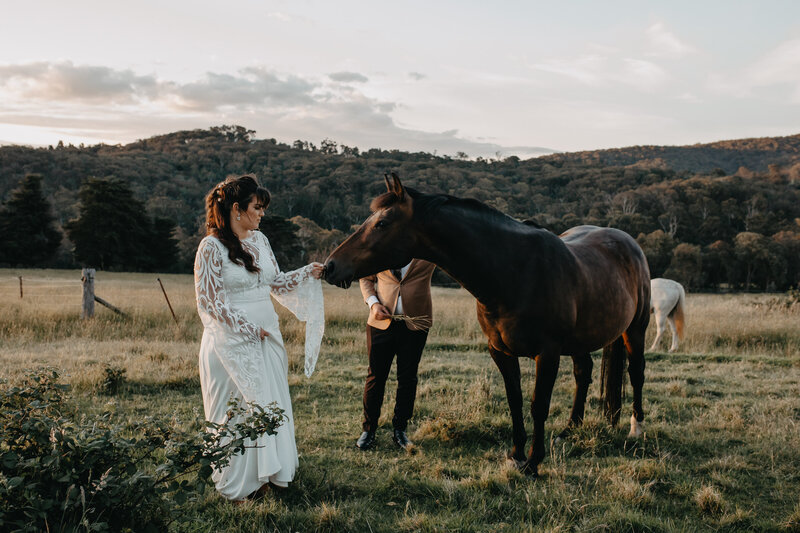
x,y
721,450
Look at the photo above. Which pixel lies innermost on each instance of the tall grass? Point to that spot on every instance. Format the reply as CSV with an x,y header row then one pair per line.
x,y
720,450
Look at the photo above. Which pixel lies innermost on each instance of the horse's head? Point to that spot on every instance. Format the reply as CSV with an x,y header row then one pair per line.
x,y
383,241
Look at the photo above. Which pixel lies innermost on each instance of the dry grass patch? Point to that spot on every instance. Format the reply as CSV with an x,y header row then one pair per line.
x,y
632,491
739,324
792,522
709,500
725,410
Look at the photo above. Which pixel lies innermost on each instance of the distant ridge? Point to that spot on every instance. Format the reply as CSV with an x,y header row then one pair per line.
x,y
755,153
699,196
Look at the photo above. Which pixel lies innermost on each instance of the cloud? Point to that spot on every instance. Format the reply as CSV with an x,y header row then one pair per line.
x,y
778,66
642,74
67,101
603,66
65,81
417,76
279,15
348,77
664,43
778,69
602,71
587,69
251,87
689,97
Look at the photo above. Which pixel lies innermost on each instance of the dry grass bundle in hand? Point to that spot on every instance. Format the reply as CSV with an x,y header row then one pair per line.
x,y
421,322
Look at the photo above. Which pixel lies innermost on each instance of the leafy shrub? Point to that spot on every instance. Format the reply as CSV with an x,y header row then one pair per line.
x,y
113,380
62,472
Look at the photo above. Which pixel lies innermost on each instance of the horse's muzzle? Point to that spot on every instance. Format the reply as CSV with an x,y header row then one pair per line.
x,y
333,276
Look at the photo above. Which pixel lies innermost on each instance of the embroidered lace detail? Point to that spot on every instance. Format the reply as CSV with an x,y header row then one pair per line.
x,y
301,294
297,290
283,282
212,298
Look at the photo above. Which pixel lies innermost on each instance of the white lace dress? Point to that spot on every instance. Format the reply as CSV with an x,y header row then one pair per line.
x,y
234,305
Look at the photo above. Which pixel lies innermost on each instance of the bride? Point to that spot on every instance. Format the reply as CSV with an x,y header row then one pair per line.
x,y
242,356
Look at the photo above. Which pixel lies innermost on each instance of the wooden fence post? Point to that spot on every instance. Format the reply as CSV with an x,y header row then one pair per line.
x,y
113,308
20,287
87,278
168,304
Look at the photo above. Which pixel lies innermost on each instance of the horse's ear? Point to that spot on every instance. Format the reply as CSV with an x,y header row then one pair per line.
x,y
388,182
397,187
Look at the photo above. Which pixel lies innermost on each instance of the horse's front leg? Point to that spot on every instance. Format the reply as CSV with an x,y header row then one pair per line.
x,y
582,370
546,372
509,368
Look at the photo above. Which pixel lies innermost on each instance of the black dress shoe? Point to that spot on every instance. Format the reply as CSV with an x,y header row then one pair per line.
x,y
401,439
366,441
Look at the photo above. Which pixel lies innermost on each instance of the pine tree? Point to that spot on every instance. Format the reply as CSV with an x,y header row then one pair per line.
x,y
164,247
26,223
112,230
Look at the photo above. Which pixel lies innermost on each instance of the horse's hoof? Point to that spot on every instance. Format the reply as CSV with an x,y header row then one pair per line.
x,y
564,434
636,428
517,464
530,470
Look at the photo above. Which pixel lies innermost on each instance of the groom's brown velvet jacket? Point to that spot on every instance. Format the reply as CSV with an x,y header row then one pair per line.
x,y
415,288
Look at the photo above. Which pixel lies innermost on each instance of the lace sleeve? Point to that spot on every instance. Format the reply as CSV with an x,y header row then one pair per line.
x,y
286,282
301,294
211,296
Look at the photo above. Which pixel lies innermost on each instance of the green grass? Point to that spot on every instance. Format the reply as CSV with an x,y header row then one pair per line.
x,y
722,417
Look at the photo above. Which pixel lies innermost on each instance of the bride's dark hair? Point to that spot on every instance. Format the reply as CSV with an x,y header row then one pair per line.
x,y
219,204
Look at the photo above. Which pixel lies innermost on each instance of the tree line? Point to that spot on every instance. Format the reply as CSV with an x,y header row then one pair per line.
x,y
139,206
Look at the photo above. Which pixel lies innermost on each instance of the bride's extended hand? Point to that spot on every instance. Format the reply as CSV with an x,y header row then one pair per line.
x,y
317,269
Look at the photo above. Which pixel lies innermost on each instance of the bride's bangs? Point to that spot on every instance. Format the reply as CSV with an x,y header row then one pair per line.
x,y
263,197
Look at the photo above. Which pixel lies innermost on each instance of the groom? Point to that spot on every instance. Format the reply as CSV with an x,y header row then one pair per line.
x,y
407,292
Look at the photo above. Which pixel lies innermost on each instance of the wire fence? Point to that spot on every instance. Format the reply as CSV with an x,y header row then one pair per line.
x,y
120,293
39,281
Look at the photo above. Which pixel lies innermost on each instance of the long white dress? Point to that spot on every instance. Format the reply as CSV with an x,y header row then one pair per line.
x,y
235,362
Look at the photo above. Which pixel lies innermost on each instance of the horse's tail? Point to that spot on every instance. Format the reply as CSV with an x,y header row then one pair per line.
x,y
612,379
677,312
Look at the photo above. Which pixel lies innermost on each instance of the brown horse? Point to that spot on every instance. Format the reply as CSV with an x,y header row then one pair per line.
x,y
539,295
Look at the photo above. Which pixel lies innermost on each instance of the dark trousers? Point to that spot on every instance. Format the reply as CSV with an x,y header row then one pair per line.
x,y
382,346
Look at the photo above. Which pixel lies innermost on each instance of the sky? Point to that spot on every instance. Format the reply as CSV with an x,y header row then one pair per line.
x,y
488,79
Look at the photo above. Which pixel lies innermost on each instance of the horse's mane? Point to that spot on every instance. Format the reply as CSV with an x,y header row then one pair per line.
x,y
427,205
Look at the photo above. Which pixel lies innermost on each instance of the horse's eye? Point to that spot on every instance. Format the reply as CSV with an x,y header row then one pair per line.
x,y
381,224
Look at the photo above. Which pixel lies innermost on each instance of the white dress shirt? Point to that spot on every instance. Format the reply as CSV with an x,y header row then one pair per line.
x,y
398,309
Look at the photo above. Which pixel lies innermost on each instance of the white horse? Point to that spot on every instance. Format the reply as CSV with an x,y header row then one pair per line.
x,y
667,301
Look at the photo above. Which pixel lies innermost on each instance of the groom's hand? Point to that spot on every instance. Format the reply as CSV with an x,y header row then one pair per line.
x,y
379,311
263,334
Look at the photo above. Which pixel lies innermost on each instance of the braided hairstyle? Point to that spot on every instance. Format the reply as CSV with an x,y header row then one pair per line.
x,y
219,204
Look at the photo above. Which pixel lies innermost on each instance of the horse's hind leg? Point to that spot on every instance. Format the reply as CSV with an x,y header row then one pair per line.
x,y
661,326
671,322
582,369
634,345
509,368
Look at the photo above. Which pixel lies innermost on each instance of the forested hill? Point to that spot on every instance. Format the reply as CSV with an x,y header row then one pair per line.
x,y
754,154
668,197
